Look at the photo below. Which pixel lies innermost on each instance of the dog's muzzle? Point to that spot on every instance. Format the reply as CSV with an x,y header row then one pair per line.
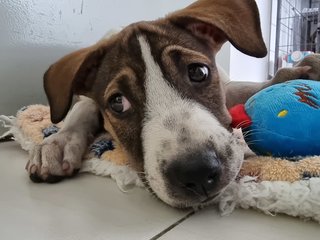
x,y
195,174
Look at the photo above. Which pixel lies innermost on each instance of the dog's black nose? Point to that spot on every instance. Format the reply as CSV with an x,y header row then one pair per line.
x,y
196,173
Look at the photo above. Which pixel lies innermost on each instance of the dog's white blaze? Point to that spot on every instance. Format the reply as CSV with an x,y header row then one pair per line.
x,y
163,101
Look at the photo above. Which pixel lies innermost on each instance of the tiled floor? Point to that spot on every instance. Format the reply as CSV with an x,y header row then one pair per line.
x,y
92,208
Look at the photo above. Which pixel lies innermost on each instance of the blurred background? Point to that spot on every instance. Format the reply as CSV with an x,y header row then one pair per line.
x,y
295,32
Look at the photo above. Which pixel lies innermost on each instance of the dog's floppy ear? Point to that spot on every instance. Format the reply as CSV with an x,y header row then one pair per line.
x,y
73,74
221,20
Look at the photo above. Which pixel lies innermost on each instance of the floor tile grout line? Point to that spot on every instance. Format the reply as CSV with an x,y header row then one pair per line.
x,y
172,226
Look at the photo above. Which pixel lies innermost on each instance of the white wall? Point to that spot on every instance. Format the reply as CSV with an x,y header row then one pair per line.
x,y
223,57
245,68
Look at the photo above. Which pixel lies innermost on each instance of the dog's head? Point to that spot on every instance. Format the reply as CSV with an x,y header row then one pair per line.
x,y
159,92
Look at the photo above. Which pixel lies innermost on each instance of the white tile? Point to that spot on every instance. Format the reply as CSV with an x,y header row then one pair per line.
x,y
87,207
243,225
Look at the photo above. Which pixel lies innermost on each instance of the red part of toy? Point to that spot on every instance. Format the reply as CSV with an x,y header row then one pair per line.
x,y
240,118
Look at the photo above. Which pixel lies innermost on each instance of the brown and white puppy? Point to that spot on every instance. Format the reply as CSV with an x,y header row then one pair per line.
x,y
161,97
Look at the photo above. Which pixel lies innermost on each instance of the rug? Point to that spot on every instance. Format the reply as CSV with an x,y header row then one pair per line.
x,y
270,185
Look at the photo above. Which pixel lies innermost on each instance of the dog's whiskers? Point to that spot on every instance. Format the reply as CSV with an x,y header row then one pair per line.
x,y
253,142
190,189
242,123
250,132
146,184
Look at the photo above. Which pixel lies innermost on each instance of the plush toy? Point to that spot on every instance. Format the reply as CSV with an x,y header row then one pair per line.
x,y
282,120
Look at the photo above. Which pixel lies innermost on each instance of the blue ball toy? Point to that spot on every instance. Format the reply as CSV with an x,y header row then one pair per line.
x,y
283,120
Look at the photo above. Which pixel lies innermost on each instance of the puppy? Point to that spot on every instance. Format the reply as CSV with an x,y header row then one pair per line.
x,y
156,88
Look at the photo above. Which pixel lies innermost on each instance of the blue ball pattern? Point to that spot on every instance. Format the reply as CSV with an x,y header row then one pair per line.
x,y
285,120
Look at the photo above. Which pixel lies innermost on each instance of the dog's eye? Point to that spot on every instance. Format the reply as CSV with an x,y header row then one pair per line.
x,y
198,72
119,103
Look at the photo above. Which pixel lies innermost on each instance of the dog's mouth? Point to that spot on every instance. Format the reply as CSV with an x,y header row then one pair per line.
x,y
196,190
212,198
185,203
194,177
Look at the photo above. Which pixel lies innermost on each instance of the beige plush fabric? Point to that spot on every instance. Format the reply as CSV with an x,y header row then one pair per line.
x,y
33,120
276,169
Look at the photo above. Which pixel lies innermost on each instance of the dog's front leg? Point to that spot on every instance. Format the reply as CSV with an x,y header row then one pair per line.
x,y
60,155
240,92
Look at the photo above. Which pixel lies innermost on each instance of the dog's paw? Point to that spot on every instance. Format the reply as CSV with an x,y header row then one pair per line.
x,y
307,72
58,157
303,72
286,74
